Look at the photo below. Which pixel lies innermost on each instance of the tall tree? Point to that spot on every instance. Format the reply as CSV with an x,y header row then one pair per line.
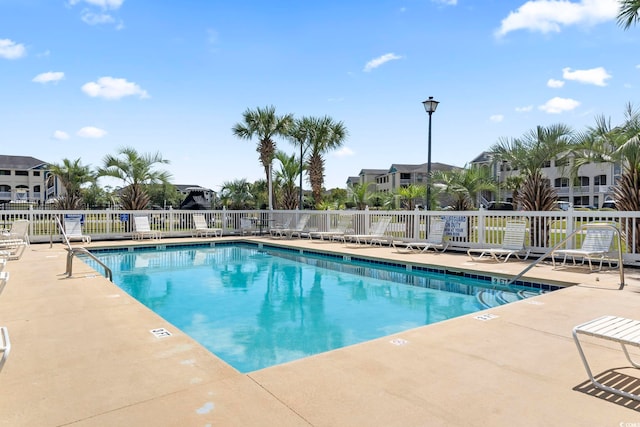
x,y
629,13
300,135
325,135
136,171
410,194
360,195
72,175
263,124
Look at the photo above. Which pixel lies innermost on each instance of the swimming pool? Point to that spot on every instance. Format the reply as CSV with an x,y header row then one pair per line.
x,y
256,307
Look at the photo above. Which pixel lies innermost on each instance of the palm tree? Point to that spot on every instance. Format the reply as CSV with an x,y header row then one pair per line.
x,y
629,13
324,135
299,135
286,180
465,185
264,124
528,154
236,194
137,171
72,176
409,195
620,144
360,195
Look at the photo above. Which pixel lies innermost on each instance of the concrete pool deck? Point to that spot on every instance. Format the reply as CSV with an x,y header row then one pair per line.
x,y
83,355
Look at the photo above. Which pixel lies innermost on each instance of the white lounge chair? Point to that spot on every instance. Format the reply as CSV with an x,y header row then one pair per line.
x,y
73,229
202,229
4,278
617,329
376,233
143,229
435,240
276,230
512,244
344,222
5,345
14,241
248,226
595,246
297,230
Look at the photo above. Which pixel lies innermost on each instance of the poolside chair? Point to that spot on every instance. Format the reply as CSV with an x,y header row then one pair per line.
x,y
248,226
595,246
344,222
435,240
143,229
3,263
5,345
202,229
277,229
14,242
4,278
376,233
512,244
297,230
73,229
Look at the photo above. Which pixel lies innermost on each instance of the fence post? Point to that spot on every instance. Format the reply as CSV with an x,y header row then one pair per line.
x,y
481,226
570,222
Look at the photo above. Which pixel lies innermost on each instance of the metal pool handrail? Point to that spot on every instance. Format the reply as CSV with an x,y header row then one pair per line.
x,y
74,251
5,345
563,241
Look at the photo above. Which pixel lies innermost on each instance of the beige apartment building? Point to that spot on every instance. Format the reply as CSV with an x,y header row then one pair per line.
x,y
592,186
25,179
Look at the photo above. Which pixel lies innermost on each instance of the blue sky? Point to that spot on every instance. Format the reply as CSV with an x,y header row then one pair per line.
x,y
82,78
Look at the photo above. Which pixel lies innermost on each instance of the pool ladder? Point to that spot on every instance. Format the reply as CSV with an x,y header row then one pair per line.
x,y
71,252
563,241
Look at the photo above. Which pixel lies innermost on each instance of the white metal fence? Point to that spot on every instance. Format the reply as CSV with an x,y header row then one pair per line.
x,y
465,229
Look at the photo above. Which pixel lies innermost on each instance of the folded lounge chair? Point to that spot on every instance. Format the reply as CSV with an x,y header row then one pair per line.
x,y
143,229
435,240
202,229
344,222
596,245
73,229
376,234
512,244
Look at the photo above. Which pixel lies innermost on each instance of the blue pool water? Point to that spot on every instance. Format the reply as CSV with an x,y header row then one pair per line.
x,y
256,308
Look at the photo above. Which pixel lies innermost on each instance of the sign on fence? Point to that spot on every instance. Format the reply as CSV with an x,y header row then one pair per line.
x,y
455,226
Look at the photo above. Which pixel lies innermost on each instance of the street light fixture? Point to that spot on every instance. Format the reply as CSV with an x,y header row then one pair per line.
x,y
430,106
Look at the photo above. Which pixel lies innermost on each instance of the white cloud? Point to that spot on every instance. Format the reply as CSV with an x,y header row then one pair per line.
x,y
96,18
594,76
524,109
11,50
558,105
105,4
555,83
343,152
91,132
113,88
446,2
496,118
51,76
375,63
548,16
60,135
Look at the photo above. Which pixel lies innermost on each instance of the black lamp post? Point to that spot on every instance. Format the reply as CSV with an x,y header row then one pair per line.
x,y
430,106
300,205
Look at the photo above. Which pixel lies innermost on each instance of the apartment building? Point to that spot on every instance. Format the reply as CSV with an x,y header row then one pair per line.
x,y
25,179
592,186
399,175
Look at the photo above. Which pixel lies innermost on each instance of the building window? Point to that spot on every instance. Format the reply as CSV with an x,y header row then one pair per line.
x,y
405,175
582,181
36,173
562,162
561,182
547,164
22,173
5,172
600,180
5,188
36,188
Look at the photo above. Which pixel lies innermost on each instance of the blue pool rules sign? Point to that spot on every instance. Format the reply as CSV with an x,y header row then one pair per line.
x,y
455,226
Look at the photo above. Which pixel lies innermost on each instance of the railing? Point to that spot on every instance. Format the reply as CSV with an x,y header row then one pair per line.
x,y
465,229
79,250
